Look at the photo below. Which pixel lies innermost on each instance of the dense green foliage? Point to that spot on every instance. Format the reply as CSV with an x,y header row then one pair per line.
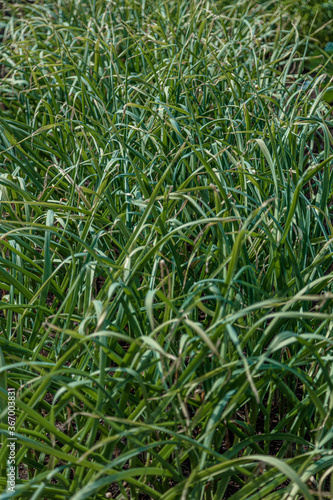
x,y
315,17
166,252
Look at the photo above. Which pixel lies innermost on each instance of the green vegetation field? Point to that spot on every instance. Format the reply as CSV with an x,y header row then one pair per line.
x,y
166,250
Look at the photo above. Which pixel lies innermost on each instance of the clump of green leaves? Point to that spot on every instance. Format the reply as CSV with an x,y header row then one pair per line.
x,y
315,17
166,255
